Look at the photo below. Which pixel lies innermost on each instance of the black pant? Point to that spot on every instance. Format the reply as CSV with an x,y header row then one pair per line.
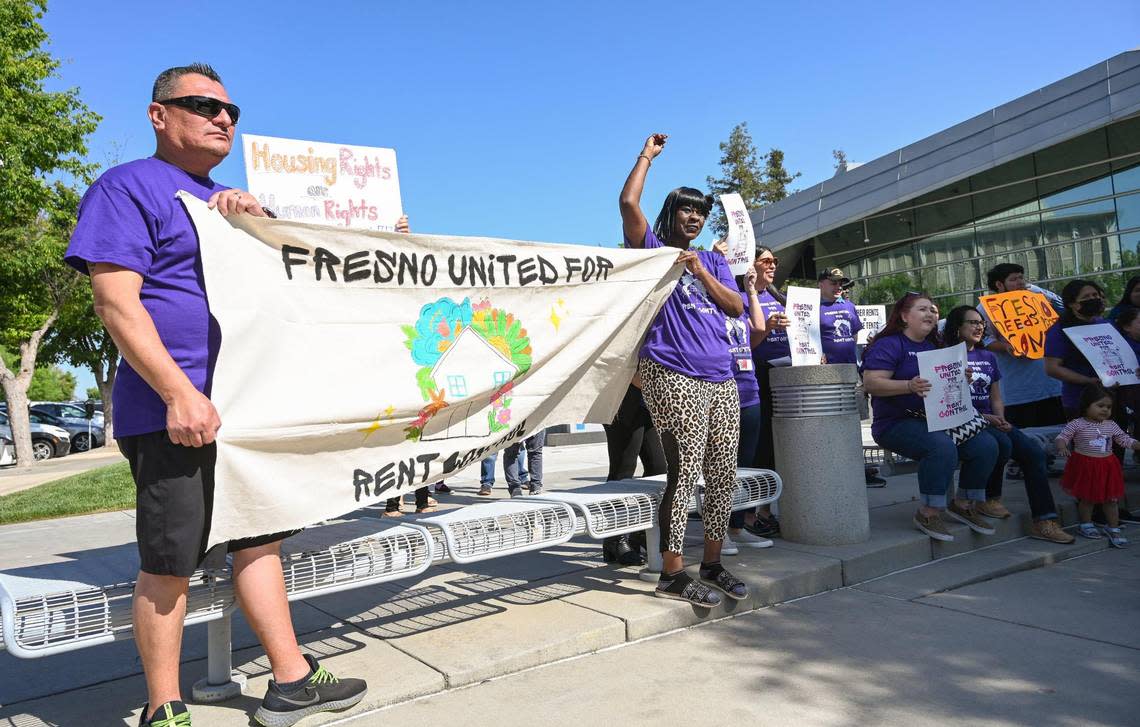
x,y
631,436
393,503
1044,413
765,452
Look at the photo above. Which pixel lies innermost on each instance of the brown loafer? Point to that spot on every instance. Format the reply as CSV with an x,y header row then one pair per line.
x,y
992,508
1051,531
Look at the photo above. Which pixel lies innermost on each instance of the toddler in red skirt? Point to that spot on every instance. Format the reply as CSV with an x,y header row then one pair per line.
x,y
1092,474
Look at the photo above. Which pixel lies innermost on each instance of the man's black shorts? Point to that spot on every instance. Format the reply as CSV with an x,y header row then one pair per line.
x,y
174,494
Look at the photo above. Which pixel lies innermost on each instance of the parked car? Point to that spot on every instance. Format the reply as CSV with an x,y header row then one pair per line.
x,y
84,434
47,440
68,410
7,452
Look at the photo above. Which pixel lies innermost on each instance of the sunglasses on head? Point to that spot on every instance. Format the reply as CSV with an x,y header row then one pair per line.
x,y
204,106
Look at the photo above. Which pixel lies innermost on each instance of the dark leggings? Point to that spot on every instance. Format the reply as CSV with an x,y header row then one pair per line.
x,y
630,437
746,454
764,457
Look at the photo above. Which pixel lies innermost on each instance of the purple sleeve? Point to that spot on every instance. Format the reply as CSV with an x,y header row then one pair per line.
x,y
650,241
112,228
883,355
1056,342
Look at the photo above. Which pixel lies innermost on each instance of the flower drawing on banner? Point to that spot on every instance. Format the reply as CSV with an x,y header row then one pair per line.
x,y
463,349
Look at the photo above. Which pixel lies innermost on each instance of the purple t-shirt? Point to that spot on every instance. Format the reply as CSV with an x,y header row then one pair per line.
x,y
1058,345
899,355
984,373
740,348
838,325
775,344
689,334
131,218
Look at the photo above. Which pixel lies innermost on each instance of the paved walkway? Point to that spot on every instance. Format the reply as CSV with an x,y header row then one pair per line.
x,y
13,479
460,625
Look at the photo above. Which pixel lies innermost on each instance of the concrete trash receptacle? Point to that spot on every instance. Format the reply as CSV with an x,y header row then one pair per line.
x,y
819,454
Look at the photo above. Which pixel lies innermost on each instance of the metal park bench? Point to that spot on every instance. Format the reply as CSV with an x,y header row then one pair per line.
x,y
63,607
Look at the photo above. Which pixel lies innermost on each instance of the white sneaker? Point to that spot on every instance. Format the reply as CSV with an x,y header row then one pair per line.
x,y
748,540
727,547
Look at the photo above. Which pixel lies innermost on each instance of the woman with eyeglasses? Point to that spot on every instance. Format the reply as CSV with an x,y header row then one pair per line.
x,y
964,324
687,381
1084,303
891,377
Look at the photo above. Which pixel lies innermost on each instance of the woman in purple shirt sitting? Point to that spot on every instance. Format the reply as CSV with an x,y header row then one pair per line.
x,y
890,376
687,380
964,324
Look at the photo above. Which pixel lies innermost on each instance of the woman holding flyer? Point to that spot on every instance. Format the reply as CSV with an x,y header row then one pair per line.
x,y
1084,303
965,325
687,380
890,376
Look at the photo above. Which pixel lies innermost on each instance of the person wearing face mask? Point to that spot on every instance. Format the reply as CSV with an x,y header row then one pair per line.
x,y
1084,303
891,377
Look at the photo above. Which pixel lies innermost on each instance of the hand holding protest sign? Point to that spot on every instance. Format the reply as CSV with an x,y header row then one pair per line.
x,y
948,403
1106,350
803,326
741,238
1022,318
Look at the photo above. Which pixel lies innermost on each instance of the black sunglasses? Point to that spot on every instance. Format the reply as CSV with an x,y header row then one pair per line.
x,y
204,106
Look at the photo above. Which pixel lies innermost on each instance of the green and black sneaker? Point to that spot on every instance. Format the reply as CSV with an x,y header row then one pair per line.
x,y
171,714
319,692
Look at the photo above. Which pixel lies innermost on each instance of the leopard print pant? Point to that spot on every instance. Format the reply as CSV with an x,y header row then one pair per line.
x,y
699,422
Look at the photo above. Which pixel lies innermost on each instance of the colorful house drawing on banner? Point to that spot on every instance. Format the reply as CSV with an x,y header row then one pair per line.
x,y
469,365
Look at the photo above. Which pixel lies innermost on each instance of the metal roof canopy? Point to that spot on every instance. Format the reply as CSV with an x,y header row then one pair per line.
x,y
1087,100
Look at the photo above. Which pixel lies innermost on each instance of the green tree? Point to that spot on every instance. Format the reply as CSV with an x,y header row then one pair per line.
x,y
840,158
51,383
43,141
886,290
740,173
776,177
93,394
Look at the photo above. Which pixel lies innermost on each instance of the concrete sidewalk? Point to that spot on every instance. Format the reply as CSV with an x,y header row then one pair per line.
x,y
458,625
13,479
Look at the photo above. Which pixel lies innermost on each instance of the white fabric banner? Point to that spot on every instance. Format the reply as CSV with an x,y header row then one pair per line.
x,y
358,365
948,403
803,326
1106,350
873,318
327,184
741,238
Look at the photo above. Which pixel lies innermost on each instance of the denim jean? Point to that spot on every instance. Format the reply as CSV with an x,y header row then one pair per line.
x,y
746,454
1028,453
512,457
487,469
937,456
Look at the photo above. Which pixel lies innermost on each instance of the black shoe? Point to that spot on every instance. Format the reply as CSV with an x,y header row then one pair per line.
x,y
618,548
321,692
875,481
170,714
765,527
715,575
1127,517
681,587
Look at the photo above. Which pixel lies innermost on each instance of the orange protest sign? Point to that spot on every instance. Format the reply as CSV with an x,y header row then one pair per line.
x,y
1022,318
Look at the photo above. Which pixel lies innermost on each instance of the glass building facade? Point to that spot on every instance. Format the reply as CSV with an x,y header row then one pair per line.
x,y
1067,211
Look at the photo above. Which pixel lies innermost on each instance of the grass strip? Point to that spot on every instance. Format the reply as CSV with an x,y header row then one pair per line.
x,y
98,490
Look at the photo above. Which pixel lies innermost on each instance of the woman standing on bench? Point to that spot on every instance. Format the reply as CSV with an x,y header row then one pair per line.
x,y
687,380
890,376
965,324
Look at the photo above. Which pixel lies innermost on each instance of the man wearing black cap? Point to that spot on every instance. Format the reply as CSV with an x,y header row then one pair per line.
x,y
839,326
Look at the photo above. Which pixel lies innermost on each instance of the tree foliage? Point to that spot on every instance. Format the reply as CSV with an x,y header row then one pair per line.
x,y
43,143
840,158
758,180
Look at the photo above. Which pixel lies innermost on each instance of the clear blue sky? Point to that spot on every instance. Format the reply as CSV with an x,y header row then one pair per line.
x,y
521,120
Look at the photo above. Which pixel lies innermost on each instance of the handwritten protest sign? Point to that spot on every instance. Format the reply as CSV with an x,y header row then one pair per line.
x,y
1022,318
948,403
328,184
358,365
803,326
1106,350
873,318
741,239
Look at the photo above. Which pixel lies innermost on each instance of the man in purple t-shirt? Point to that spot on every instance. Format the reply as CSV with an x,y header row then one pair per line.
x,y
138,245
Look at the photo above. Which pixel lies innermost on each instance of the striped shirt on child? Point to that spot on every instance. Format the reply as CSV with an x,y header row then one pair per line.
x,y
1094,439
